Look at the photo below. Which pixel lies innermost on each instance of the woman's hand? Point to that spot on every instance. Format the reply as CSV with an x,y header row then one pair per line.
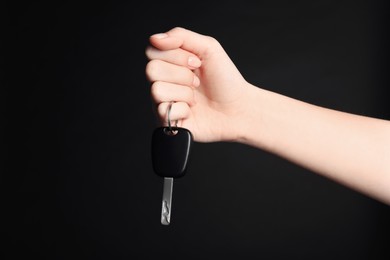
x,y
194,71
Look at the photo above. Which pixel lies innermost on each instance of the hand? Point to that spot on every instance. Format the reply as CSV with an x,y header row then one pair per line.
x,y
195,72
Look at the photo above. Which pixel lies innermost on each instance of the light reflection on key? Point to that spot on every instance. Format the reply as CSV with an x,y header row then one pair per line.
x,y
167,201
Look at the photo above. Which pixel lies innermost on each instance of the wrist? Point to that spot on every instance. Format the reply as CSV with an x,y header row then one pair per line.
x,y
251,124
244,119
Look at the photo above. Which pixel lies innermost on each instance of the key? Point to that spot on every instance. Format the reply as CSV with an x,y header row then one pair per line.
x,y
171,148
167,201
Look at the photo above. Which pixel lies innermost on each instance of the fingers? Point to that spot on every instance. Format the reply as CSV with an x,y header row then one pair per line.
x,y
158,70
173,57
162,41
185,39
176,56
179,111
166,92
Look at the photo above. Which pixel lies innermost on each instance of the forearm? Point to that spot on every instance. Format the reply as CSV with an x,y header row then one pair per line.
x,y
215,102
351,149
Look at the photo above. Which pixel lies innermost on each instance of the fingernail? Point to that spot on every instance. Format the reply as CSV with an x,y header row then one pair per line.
x,y
160,35
196,82
194,62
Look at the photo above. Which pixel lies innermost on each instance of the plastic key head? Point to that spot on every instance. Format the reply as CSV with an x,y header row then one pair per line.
x,y
171,149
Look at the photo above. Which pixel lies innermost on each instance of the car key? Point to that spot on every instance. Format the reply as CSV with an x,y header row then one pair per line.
x,y
170,154
171,148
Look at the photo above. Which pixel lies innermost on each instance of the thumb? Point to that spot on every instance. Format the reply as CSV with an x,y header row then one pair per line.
x,y
182,38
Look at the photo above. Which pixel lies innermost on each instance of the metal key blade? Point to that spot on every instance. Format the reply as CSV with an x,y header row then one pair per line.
x,y
167,201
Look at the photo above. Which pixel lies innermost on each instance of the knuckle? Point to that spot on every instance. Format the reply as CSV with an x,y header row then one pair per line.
x,y
177,29
161,111
148,52
152,69
212,41
155,91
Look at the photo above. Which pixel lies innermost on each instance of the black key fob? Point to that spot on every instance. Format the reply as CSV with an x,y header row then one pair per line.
x,y
170,151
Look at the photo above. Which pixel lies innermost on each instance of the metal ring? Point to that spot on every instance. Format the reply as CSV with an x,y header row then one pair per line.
x,y
171,131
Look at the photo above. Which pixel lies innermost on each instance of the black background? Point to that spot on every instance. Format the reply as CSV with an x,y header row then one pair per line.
x,y
76,175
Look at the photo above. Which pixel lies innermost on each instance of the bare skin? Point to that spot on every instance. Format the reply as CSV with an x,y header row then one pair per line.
x,y
216,103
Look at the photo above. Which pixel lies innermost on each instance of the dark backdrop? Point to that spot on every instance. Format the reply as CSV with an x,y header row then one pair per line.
x,y
77,180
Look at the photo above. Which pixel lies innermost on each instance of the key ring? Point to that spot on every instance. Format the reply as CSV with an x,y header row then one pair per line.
x,y
171,131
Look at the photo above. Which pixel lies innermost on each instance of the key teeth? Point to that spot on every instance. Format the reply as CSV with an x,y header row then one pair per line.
x,y
165,214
